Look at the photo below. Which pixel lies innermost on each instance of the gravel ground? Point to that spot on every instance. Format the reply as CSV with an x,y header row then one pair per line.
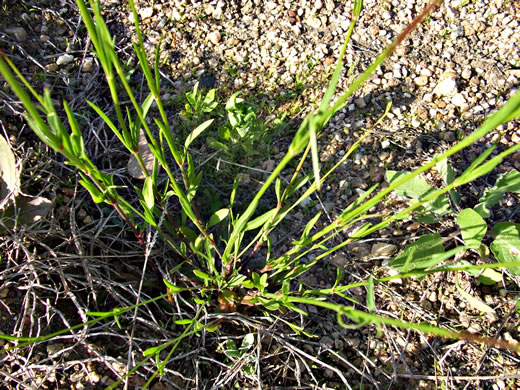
x,y
454,70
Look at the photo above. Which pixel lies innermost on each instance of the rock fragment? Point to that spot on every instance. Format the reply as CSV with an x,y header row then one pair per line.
x,y
214,37
383,249
447,86
18,32
64,59
146,13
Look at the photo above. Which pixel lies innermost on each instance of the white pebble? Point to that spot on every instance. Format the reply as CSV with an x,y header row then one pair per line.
x,y
65,59
214,37
446,87
458,100
145,13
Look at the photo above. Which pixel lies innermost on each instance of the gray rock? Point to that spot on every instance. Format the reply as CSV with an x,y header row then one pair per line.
x,y
327,341
360,102
18,32
339,260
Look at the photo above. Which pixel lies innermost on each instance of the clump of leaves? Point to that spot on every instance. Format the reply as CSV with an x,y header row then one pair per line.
x,y
429,250
199,103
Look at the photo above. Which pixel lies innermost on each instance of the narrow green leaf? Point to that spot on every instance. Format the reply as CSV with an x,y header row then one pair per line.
x,y
95,193
329,93
100,313
203,275
22,94
358,6
195,133
371,300
233,194
261,220
152,351
479,159
218,217
183,322
148,192
271,305
310,225
294,308
278,190
486,167
191,168
157,64
314,152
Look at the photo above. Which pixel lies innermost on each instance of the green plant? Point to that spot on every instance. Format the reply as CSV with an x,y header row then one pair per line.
x,y
199,104
237,354
242,131
215,253
429,250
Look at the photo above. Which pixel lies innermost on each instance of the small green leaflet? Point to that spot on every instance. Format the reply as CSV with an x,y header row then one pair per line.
x,y
195,133
506,246
417,188
203,275
148,192
259,221
420,254
183,322
473,228
95,193
371,300
508,182
218,217
172,287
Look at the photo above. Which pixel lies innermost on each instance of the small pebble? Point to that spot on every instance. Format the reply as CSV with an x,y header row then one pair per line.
x,y
146,12
18,32
64,59
214,37
383,249
446,87
88,65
